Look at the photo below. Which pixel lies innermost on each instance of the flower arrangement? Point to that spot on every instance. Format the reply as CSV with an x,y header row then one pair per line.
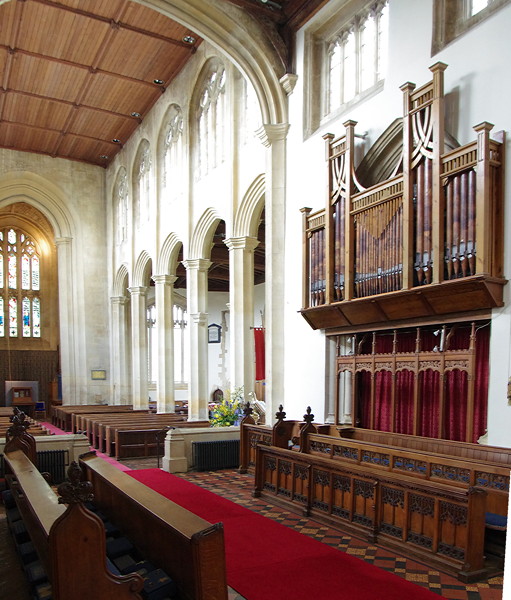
x,y
229,411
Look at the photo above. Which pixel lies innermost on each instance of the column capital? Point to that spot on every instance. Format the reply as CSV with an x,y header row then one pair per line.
x,y
288,82
138,290
63,241
164,279
269,134
242,243
200,318
198,264
119,300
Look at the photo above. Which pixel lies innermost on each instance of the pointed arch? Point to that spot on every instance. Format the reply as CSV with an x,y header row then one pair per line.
x,y
202,237
43,195
141,272
240,37
247,216
166,263
120,287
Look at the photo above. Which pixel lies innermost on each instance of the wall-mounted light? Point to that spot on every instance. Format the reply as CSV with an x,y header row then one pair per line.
x,y
189,39
137,115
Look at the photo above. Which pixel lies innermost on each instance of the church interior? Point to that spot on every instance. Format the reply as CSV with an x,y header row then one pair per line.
x,y
280,227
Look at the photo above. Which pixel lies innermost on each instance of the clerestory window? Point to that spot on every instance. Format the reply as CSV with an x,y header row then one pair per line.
x,y
453,18
356,56
345,58
211,120
20,301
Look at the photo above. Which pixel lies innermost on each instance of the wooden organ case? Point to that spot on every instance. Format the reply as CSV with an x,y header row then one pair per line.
x,y
423,248
424,244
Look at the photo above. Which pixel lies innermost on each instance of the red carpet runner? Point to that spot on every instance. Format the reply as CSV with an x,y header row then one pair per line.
x,y
268,561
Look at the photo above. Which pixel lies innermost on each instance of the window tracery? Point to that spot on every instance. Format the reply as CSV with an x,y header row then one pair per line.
x,y
211,120
20,303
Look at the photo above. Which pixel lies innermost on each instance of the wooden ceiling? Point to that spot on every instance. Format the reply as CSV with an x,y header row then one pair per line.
x,y
78,76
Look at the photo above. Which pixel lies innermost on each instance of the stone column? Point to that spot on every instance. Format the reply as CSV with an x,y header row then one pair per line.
x,y
197,292
274,138
121,392
164,293
139,347
241,302
70,385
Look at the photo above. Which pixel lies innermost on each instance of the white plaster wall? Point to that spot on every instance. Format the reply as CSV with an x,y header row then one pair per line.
x,y
78,191
478,88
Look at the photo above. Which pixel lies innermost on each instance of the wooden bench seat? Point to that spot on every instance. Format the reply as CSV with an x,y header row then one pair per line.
x,y
188,548
70,542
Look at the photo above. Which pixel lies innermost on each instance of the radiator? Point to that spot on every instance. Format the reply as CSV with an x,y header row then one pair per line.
x,y
53,462
220,454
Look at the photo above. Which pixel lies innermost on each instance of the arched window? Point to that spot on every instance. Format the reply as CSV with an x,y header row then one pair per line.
x,y
142,183
20,301
121,206
173,150
211,120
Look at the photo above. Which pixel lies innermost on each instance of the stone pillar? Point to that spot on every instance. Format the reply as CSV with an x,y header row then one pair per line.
x,y
164,293
70,385
121,392
241,302
197,292
274,138
139,348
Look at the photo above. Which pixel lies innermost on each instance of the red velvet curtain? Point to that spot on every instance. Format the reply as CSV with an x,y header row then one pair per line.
x,y
363,385
383,401
455,405
429,396
455,387
260,366
404,401
481,382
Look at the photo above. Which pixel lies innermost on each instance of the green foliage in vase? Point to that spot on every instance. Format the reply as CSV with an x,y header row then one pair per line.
x,y
230,410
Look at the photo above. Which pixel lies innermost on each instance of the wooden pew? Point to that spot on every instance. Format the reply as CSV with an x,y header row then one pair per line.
x,y
62,414
132,443
188,548
70,542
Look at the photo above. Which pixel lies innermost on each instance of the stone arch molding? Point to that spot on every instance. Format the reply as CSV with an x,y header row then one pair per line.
x,y
239,37
120,286
43,195
140,278
200,244
166,263
247,217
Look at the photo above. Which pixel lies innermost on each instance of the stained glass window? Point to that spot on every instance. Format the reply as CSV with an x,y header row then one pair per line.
x,y
19,284
36,318
26,317
13,317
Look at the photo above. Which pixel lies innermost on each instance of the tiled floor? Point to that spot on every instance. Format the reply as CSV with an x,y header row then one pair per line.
x,y
238,488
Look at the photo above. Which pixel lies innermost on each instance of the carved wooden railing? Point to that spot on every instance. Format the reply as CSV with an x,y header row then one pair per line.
x,y
437,523
374,255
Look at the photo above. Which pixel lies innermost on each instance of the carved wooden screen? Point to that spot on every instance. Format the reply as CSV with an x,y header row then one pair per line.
x,y
428,383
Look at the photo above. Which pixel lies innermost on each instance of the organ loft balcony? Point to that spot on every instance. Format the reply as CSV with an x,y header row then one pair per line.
x,y
425,243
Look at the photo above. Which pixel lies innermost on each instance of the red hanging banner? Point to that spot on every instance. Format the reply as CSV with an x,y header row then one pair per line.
x,y
259,353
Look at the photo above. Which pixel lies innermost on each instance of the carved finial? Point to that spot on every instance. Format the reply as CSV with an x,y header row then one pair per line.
x,y
74,491
281,415
308,417
19,424
247,409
